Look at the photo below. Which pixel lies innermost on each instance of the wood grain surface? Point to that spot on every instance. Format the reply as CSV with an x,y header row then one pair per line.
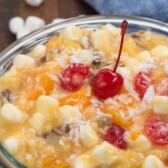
x,y
49,10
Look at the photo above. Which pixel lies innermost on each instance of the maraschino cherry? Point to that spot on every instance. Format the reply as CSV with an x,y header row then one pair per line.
x,y
108,83
156,130
115,136
73,76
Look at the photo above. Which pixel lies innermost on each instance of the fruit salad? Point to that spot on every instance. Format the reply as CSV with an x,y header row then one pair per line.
x,y
88,98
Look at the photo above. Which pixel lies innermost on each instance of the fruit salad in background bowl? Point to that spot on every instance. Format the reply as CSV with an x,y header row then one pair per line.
x,y
90,92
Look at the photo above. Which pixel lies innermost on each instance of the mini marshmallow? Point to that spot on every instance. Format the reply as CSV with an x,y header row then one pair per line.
x,y
16,24
33,23
34,3
21,33
58,20
22,61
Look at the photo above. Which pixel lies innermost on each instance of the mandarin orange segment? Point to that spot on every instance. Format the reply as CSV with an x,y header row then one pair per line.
x,y
78,97
35,83
36,86
52,162
135,135
116,117
57,42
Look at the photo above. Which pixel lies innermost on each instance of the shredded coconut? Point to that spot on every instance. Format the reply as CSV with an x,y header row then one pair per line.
x,y
88,91
148,97
61,62
74,132
145,67
95,102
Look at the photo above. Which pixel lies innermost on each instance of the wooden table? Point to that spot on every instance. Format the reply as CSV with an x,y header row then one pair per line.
x,y
49,10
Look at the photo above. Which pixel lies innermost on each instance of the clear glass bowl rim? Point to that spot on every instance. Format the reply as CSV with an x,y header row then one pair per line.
x,y
5,158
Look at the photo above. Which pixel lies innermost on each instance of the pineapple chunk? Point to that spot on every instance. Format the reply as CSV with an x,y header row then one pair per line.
x,y
160,51
72,33
38,122
141,143
67,113
84,161
160,104
153,162
106,154
145,57
39,51
88,136
112,29
130,47
99,39
45,117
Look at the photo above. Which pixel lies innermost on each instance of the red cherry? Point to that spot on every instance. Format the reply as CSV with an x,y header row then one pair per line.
x,y
73,76
156,130
142,82
115,136
106,83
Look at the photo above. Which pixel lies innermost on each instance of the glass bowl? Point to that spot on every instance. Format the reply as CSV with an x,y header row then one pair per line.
x,y
41,36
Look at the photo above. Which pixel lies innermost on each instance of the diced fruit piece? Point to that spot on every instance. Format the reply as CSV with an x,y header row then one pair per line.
x,y
135,135
68,113
72,33
106,83
132,159
106,154
38,122
142,82
160,104
156,130
161,51
78,97
115,135
42,85
52,162
73,76
130,47
153,162
140,143
84,161
39,51
36,82
102,40
88,136
117,118
58,42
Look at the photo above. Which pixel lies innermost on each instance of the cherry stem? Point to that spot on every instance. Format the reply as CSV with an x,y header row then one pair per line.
x,y
123,30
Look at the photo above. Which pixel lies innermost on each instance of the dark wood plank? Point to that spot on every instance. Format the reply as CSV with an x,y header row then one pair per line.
x,y
49,10
8,9
72,8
